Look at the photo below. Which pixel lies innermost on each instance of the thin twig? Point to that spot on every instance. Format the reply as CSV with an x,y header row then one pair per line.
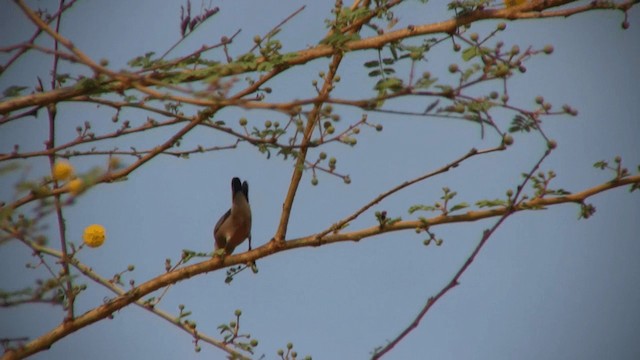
x,y
103,311
455,281
278,26
62,233
445,168
88,272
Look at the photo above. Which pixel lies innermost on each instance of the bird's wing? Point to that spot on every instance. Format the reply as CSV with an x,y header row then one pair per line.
x,y
219,223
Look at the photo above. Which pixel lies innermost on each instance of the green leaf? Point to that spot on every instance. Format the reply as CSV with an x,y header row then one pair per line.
x,y
393,84
601,165
460,206
62,78
265,66
491,203
248,58
87,84
448,194
142,61
371,64
522,124
415,208
338,39
424,83
470,53
7,168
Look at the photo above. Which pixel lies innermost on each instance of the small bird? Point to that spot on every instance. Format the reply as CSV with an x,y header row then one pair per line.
x,y
235,225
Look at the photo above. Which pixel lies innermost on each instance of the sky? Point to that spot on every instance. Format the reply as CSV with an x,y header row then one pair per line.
x,y
546,286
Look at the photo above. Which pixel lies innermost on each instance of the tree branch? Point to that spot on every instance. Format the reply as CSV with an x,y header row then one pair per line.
x,y
535,9
115,304
455,281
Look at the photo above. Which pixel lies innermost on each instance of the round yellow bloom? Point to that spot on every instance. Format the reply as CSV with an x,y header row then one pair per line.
x,y
94,235
62,170
76,186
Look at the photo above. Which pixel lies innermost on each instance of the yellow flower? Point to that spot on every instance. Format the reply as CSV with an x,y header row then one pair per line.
x,y
94,235
62,170
510,3
76,186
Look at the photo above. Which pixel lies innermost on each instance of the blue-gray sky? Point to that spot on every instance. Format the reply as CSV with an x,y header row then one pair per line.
x,y
547,285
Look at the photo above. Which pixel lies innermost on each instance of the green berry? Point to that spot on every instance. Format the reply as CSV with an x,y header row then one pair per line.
x,y
507,140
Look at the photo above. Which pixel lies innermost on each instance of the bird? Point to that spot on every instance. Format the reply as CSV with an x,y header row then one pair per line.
x,y
235,225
